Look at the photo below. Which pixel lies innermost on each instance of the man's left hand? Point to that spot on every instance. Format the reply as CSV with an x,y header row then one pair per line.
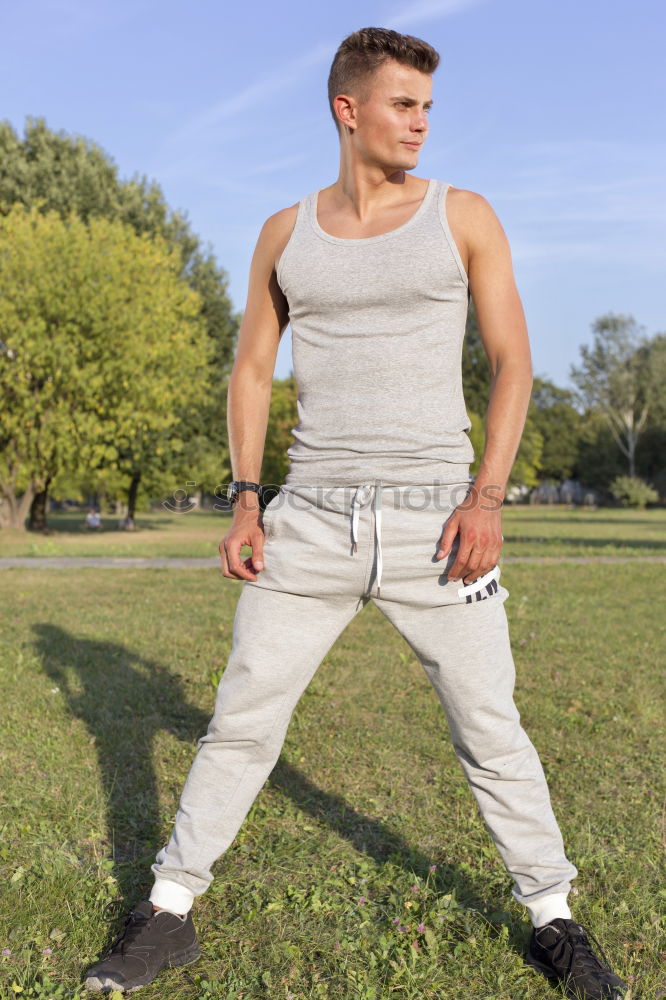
x,y
480,527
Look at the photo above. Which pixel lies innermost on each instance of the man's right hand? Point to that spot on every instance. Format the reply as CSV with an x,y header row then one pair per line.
x,y
246,529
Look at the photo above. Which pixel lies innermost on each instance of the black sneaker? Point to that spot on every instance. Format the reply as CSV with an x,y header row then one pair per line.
x,y
561,951
150,941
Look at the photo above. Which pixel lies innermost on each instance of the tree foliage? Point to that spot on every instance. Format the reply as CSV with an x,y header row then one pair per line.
x,y
57,172
282,418
104,349
555,417
525,469
476,373
615,377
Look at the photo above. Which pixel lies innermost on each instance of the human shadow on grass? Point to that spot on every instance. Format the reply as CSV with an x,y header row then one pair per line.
x,y
126,699
376,840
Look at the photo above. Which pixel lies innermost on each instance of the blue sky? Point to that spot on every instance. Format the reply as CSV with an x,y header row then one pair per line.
x,y
552,109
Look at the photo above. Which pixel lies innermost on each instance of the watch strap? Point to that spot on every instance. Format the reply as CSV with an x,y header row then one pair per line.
x,y
238,486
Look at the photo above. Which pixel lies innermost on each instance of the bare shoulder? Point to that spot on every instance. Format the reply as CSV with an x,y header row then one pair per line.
x,y
466,202
473,220
276,231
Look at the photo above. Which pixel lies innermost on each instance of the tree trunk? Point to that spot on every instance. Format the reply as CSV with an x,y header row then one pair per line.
x,y
15,511
38,509
131,496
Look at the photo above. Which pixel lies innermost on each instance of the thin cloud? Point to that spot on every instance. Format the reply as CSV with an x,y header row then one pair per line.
x,y
273,166
583,200
234,104
530,255
429,10
206,152
594,181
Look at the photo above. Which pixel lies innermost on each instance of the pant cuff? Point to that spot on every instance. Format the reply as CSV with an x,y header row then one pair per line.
x,y
548,908
171,896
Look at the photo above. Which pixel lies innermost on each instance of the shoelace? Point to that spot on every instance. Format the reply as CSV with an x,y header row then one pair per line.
x,y
573,948
134,924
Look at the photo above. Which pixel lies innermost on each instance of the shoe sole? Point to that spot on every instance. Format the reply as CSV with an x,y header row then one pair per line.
x,y
105,984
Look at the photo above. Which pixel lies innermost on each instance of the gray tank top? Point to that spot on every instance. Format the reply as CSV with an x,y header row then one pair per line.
x,y
377,330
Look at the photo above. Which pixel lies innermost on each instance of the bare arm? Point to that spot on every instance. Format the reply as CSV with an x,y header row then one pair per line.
x,y
505,339
249,393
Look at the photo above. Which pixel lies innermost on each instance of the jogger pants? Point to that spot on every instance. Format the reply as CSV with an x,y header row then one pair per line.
x,y
327,552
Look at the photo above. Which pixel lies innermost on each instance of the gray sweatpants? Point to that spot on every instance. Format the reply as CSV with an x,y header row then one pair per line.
x,y
327,552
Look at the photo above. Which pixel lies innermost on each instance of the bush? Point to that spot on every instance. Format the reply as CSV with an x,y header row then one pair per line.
x,y
631,491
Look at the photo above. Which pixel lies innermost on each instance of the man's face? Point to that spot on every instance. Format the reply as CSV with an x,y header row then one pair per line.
x,y
393,123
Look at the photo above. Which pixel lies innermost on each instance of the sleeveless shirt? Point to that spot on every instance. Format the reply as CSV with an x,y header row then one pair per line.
x,y
377,328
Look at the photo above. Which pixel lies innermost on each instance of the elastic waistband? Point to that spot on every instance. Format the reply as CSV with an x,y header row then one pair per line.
x,y
415,496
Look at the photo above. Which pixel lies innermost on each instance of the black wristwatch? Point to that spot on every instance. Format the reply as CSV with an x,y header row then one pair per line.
x,y
238,486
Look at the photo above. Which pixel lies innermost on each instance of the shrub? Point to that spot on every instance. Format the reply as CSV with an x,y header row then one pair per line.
x,y
631,491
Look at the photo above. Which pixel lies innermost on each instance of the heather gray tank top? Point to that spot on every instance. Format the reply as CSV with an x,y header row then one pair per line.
x,y
377,330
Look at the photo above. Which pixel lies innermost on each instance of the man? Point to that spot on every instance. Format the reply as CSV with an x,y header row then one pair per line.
x,y
374,273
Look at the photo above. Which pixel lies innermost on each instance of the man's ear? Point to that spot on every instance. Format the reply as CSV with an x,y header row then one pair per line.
x,y
346,112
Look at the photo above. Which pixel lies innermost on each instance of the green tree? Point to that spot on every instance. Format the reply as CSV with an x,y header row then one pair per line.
x,y
477,436
598,460
59,172
615,378
475,366
559,423
527,466
651,456
282,418
476,387
525,469
104,350
656,365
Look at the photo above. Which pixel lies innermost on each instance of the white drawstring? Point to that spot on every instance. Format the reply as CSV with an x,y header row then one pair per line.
x,y
360,497
488,582
377,511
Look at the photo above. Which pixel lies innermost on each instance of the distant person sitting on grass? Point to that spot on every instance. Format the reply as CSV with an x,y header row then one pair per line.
x,y
127,524
93,521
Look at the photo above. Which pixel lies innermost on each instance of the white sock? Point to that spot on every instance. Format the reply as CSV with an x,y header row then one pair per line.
x,y
548,908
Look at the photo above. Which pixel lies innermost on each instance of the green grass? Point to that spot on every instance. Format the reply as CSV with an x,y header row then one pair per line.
x,y
108,681
560,531
158,534
528,531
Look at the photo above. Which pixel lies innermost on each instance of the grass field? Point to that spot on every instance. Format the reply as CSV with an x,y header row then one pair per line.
x,y
363,869
528,531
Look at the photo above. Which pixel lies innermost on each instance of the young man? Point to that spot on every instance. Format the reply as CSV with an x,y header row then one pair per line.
x,y
374,273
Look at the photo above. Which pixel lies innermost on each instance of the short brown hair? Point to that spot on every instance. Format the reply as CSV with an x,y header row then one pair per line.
x,y
364,51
